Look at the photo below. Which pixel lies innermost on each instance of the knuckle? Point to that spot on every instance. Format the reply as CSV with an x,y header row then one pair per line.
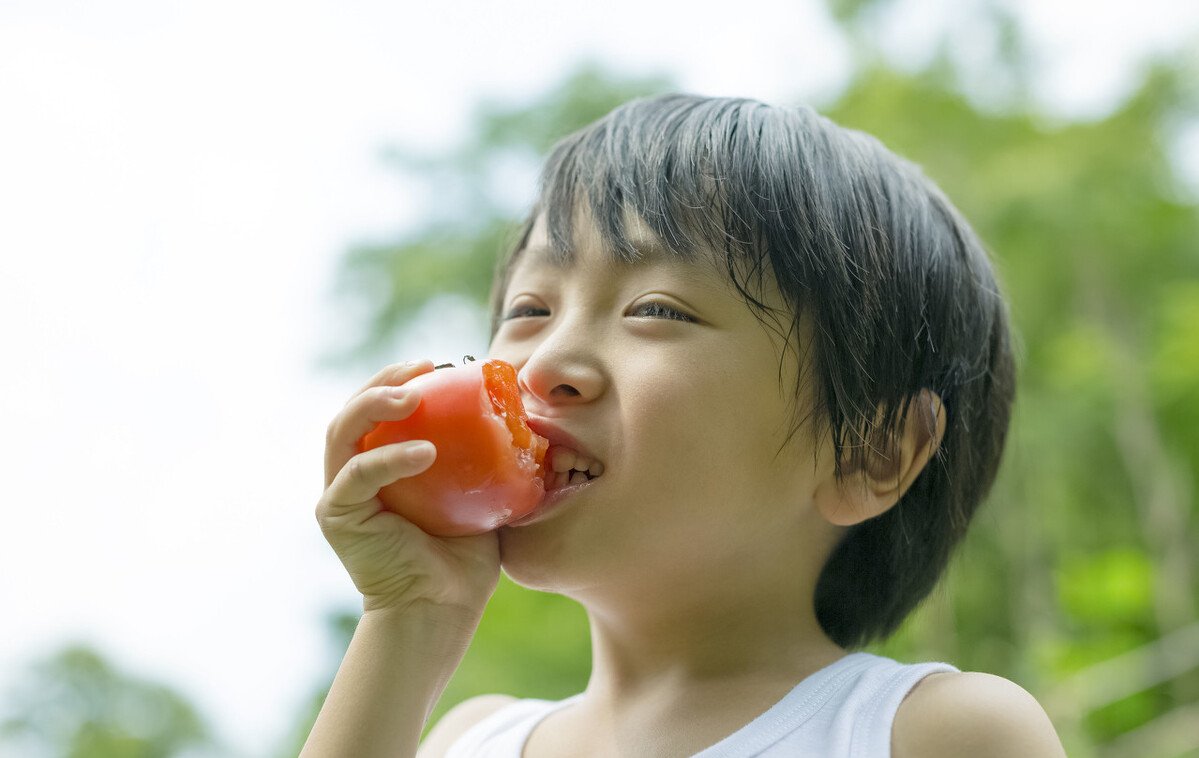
x,y
357,473
396,372
324,515
366,471
331,524
384,392
331,430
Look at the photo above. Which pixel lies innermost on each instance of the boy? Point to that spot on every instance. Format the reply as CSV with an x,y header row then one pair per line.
x,y
782,359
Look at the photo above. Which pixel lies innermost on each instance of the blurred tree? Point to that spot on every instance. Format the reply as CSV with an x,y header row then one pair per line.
x,y
1080,575
454,250
1089,534
75,704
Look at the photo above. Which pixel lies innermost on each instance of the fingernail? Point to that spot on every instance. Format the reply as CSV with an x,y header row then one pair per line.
x,y
421,449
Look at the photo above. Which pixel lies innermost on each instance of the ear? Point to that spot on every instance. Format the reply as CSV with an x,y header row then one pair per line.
x,y
888,471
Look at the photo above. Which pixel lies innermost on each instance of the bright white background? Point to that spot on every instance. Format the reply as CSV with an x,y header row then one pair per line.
x,y
177,181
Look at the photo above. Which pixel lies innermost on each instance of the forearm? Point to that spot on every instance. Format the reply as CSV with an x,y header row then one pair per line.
x,y
395,669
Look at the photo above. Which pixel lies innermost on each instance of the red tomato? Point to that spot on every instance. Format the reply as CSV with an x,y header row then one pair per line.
x,y
488,469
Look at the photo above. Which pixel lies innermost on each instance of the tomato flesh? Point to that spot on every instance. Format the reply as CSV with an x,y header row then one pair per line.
x,y
489,468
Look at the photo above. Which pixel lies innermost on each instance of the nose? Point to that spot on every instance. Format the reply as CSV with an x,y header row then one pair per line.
x,y
560,374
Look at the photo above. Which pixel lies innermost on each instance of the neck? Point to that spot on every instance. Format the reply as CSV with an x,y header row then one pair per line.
x,y
685,638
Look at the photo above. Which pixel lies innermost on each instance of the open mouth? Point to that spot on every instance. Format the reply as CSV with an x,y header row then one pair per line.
x,y
564,466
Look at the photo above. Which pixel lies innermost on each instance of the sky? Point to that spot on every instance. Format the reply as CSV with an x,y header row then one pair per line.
x,y
178,180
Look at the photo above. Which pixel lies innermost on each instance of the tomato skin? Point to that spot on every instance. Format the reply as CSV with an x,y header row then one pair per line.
x,y
481,478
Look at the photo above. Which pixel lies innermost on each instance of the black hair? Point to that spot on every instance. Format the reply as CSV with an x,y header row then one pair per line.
x,y
900,292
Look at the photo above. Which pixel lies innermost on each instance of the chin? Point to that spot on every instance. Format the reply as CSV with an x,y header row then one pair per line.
x,y
556,556
533,556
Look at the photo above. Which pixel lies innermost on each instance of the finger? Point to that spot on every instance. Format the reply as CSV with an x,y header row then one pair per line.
x,y
373,405
360,480
396,373
337,449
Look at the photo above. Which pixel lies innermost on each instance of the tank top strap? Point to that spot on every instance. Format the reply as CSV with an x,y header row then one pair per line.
x,y
844,710
872,727
503,733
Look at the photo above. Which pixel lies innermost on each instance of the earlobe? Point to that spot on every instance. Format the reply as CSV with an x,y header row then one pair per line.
x,y
886,472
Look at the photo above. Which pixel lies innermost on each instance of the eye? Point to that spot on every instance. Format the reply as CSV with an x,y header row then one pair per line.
x,y
522,311
658,310
652,309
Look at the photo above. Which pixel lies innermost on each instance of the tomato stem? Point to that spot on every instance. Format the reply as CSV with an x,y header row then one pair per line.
x,y
465,358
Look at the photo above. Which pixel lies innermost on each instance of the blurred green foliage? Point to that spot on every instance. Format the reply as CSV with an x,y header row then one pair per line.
x,y
76,704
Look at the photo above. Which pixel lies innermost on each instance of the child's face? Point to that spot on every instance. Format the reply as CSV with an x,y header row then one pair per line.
x,y
686,417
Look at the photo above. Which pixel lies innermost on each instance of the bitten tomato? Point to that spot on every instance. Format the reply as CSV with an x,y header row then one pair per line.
x,y
488,469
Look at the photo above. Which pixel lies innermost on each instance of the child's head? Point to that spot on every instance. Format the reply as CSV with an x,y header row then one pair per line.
x,y
880,298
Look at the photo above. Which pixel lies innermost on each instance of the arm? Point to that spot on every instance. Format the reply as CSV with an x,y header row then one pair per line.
x,y
975,714
394,671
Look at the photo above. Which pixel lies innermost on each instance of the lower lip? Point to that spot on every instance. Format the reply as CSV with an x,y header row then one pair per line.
x,y
551,501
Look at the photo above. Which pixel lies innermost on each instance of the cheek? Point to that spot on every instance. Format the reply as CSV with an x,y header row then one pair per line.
x,y
704,439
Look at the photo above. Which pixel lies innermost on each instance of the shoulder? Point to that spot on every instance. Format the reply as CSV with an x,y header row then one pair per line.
x,y
972,713
457,720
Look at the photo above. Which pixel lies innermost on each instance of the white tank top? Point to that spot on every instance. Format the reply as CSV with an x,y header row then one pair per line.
x,y
844,710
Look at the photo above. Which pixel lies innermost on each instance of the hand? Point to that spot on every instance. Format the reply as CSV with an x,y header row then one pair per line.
x,y
393,563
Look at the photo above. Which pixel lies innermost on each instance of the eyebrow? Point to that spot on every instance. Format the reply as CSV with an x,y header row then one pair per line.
x,y
651,253
648,252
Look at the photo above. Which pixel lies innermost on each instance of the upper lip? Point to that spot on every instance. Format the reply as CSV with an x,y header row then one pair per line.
x,y
559,436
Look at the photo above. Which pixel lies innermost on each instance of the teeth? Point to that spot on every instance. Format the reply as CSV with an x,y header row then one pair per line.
x,y
559,479
564,459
